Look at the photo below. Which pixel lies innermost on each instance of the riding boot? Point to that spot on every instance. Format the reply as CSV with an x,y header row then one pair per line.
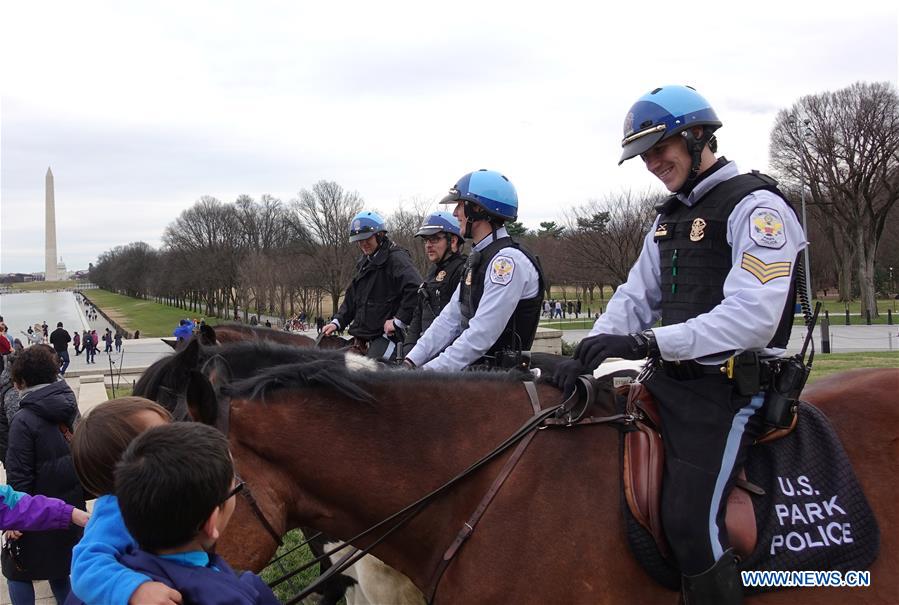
x,y
718,585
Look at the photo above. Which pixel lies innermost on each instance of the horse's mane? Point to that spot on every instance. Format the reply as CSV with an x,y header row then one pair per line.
x,y
324,372
259,368
328,369
244,359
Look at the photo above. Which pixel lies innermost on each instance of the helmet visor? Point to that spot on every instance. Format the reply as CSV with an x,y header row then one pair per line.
x,y
641,142
361,234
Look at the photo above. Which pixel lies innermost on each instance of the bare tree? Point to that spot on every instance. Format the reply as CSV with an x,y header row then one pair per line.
x,y
326,211
207,237
605,236
847,147
405,222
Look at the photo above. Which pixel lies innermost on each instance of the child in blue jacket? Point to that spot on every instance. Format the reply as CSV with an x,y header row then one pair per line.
x,y
99,441
176,488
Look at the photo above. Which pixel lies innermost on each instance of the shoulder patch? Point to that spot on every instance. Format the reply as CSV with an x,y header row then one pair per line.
x,y
501,270
765,272
766,228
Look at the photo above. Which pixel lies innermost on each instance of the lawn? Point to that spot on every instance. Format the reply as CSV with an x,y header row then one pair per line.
x,y
831,363
151,318
38,286
297,558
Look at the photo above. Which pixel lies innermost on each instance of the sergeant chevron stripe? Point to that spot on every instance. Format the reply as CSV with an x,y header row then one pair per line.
x,y
763,271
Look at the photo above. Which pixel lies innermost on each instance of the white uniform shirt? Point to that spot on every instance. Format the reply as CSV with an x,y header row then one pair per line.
x,y
755,290
445,346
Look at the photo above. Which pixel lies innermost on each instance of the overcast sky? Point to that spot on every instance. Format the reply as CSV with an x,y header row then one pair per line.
x,y
141,108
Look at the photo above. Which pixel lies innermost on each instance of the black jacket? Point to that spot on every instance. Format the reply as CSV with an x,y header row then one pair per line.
x,y
385,285
39,461
433,295
60,339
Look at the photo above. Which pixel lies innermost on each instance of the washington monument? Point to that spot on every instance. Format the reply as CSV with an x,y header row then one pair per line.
x,y
50,273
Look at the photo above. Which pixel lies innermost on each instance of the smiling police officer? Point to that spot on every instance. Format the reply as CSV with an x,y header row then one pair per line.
x,y
718,269
495,310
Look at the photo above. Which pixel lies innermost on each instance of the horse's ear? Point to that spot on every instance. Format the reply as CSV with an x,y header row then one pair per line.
x,y
189,357
207,335
201,399
171,343
218,371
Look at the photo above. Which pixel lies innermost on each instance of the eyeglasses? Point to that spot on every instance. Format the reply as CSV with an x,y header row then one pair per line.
x,y
235,490
433,239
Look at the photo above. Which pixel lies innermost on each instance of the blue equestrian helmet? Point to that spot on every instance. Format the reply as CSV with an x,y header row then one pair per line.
x,y
489,190
365,224
438,222
663,113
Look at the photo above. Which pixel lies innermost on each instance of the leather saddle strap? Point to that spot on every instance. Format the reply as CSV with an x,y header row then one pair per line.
x,y
468,526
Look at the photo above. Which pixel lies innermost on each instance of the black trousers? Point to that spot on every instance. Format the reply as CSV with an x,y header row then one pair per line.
x,y
706,428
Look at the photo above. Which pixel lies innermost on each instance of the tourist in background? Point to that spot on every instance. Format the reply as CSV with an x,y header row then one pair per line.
x,y
76,342
5,346
118,341
184,331
91,343
107,341
9,405
60,340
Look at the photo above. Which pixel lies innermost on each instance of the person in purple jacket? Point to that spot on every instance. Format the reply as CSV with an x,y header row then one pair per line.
x,y
184,467
21,512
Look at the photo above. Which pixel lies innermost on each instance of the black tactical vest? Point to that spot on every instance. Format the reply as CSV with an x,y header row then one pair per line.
x,y
438,288
695,257
518,335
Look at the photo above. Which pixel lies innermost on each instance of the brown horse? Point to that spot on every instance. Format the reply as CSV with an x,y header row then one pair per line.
x,y
339,451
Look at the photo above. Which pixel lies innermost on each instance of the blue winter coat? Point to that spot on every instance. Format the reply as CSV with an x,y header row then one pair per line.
x,y
201,585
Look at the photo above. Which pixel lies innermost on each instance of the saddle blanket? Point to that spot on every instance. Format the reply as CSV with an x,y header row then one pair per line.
x,y
813,515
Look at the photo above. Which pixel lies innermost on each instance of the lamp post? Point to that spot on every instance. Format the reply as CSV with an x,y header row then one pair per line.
x,y
892,289
800,136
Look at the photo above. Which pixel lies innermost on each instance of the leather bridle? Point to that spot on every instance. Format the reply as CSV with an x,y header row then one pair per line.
x,y
181,413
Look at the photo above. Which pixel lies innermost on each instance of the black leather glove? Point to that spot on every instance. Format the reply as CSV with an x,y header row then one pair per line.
x,y
592,351
566,374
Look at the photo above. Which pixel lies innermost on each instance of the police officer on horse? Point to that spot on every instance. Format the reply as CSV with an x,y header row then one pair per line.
x,y
494,312
382,296
717,268
443,243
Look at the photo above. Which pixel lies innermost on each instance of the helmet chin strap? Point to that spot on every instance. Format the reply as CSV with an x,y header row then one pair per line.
x,y
695,145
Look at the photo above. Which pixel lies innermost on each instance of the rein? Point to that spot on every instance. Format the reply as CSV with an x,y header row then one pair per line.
x,y
558,415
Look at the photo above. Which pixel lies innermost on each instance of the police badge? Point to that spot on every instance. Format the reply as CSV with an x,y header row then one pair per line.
x,y
440,276
697,230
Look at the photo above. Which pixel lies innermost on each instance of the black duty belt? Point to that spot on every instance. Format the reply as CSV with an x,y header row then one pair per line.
x,y
690,370
748,372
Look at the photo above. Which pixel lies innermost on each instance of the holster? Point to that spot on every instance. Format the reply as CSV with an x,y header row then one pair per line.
x,y
745,372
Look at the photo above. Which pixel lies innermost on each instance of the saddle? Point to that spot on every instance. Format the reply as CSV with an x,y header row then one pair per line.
x,y
644,461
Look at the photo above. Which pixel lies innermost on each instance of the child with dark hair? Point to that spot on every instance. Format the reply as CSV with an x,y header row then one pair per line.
x,y
176,488
97,446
